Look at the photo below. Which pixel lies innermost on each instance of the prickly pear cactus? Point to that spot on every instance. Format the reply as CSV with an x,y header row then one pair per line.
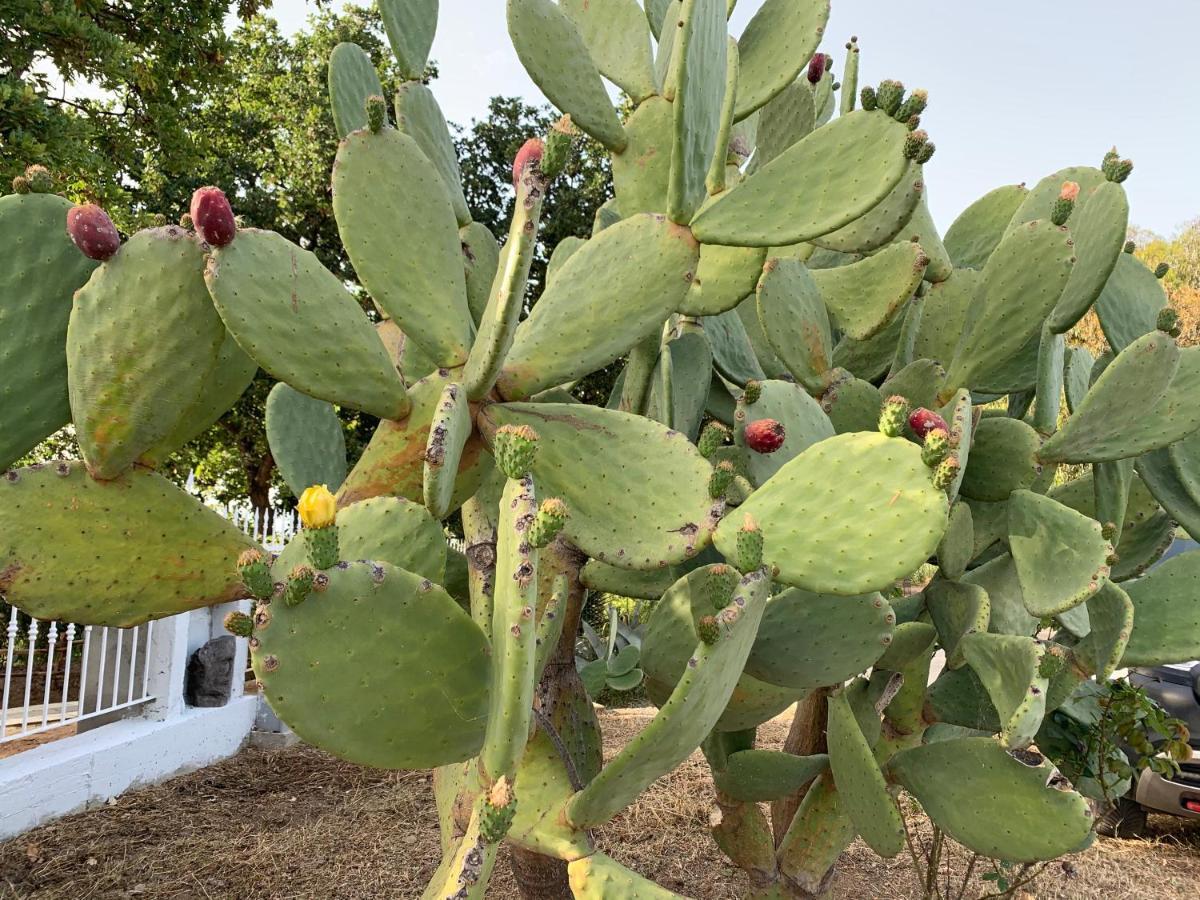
x,y
819,396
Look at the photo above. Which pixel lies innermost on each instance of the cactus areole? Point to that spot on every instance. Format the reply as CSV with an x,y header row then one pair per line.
x,y
797,428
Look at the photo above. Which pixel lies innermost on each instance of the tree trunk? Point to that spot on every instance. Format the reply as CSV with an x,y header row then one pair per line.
x,y
563,710
806,737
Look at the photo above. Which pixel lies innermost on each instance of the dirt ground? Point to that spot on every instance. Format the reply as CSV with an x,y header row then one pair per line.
x,y
301,824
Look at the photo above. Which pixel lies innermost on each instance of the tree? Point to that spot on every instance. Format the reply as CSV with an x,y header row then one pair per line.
x,y
137,72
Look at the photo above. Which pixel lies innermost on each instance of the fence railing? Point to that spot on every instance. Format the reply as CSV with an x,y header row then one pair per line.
x,y
62,674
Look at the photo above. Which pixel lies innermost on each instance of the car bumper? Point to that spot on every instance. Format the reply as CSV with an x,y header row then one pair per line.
x,y
1177,796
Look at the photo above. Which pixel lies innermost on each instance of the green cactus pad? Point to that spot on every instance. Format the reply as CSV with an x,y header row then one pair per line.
x,y
747,311
1128,305
910,641
819,834
617,36
563,251
883,222
921,230
642,170
410,360
232,373
1098,227
410,26
296,320
1111,614
1021,282
699,78
959,699
306,440
449,432
41,272
733,355
864,296
419,116
116,552
804,424
871,358
141,343
812,640
648,585
1111,423
788,118
818,185
466,866
382,668
554,53
630,523
758,776
860,783
1006,601
957,548
1166,617
481,259
918,383
599,877
973,236
352,79
724,277
1039,202
691,365
776,45
399,228
794,319
633,274
1060,555
1003,459
1077,375
384,529
992,803
1008,667
877,483
543,786
852,405
957,609
393,463
705,687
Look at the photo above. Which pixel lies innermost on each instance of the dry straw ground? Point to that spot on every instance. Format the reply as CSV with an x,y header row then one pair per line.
x,y
300,824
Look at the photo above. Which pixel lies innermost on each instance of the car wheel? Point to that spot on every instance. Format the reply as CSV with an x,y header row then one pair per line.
x,y
1124,818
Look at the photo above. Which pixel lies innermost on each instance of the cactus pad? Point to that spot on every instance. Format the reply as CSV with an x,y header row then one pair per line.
x,y
630,523
352,79
795,321
804,424
812,640
844,490
598,877
860,782
992,803
756,776
400,231
419,116
777,43
1166,618
1060,555
642,170
142,341
973,236
1003,459
633,274
41,272
883,222
1008,666
958,609
1110,614
306,440
65,545
382,668
1128,305
1098,227
864,296
296,319
410,25
816,186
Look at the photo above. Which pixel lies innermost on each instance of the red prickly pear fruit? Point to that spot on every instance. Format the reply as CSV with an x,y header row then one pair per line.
x,y
816,68
212,216
764,436
93,231
530,154
922,421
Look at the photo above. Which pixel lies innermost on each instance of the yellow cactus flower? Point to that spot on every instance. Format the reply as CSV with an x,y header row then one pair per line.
x,y
317,507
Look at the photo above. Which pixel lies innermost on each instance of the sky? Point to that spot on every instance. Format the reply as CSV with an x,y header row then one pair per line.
x,y
1017,89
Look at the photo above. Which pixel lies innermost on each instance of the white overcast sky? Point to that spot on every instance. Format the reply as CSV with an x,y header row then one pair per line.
x,y
1017,89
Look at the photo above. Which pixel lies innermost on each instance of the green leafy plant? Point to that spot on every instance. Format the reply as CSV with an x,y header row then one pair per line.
x,y
610,664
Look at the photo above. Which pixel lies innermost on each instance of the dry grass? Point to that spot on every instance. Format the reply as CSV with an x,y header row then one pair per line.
x,y
300,824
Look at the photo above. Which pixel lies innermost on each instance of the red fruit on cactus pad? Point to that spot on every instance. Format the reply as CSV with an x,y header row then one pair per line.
x,y
212,217
816,67
922,421
764,435
530,154
93,231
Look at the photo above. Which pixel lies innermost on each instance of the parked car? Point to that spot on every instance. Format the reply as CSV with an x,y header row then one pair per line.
x,y
1176,688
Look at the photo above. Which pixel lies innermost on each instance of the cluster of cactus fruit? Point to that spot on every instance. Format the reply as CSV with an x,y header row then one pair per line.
x,y
820,395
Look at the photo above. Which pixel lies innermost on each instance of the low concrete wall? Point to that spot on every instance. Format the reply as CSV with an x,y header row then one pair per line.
x,y
89,769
